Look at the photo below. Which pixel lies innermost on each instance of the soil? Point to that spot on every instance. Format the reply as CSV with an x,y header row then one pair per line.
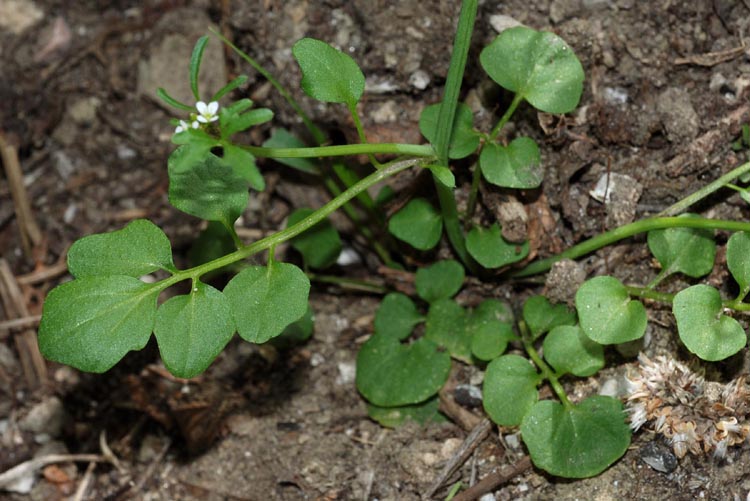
x,y
665,95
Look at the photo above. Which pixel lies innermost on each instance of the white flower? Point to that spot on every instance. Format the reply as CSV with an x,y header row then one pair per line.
x,y
207,112
184,126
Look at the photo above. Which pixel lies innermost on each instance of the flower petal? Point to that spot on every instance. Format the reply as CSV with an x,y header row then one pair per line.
x,y
201,107
213,107
202,119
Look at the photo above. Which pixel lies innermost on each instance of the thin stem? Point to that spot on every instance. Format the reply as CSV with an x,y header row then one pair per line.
x,y
702,193
664,297
349,283
317,134
626,231
416,150
447,113
546,370
506,116
294,230
471,205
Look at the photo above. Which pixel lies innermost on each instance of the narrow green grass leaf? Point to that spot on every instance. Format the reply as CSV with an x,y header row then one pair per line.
x,y
195,64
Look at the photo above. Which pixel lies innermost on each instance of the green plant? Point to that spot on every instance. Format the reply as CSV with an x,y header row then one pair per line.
x,y
107,310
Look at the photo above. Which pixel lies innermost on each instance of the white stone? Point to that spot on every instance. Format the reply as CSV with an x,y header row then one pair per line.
x,y
17,16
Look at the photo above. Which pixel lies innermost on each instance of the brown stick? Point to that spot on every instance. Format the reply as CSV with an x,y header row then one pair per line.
x,y
494,480
31,235
476,437
34,366
19,323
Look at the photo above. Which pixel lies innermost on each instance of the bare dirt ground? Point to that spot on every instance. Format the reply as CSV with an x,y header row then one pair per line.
x,y
665,95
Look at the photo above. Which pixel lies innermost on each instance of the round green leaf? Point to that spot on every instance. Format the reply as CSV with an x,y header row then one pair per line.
x,y
538,66
510,389
683,250
490,339
702,326
447,325
328,74
517,165
491,250
391,374
607,314
439,281
297,332
392,417
193,329
137,249
464,139
542,316
396,316
569,350
738,259
206,187
418,224
576,442
92,322
264,300
320,245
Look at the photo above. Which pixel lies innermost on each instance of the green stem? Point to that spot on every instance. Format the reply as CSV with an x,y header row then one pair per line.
x,y
471,205
294,230
546,370
349,283
447,113
416,150
702,193
317,134
642,226
664,297
506,116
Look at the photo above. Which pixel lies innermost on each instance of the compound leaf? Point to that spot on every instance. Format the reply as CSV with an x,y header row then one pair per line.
x,y
264,300
703,328
137,249
192,330
538,66
578,441
92,322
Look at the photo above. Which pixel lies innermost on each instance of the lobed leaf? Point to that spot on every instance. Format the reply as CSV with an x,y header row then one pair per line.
x,y
517,165
137,249
441,280
538,66
606,313
491,250
464,139
396,316
690,251
206,187
578,441
391,374
94,321
193,329
570,351
542,316
264,300
328,74
738,260
702,326
510,389
320,245
418,224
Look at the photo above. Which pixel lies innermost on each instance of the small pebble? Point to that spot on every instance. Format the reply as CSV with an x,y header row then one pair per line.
x,y
659,457
468,395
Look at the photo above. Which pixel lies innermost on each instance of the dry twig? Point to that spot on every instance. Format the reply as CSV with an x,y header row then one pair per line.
x,y
494,480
